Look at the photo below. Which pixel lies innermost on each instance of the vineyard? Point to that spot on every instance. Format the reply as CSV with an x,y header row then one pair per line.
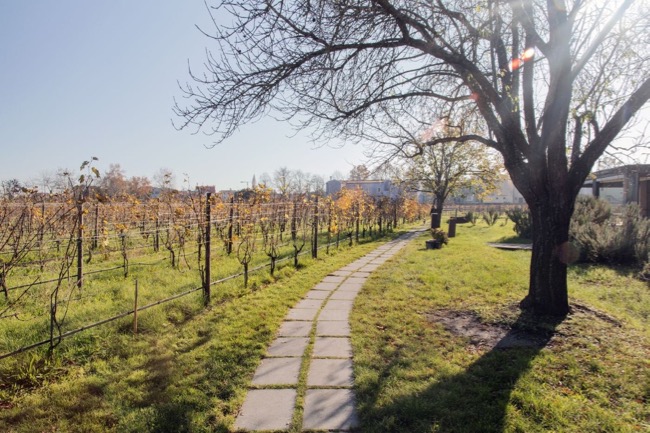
x,y
71,262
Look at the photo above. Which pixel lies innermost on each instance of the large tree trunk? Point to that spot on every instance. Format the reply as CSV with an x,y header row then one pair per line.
x,y
547,292
436,212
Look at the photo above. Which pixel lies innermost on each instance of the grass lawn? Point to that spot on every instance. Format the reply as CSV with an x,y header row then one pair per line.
x,y
416,370
425,329
187,370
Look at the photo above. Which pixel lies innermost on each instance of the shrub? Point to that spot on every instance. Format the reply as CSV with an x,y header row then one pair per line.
x,y
440,236
607,238
491,217
522,221
589,209
644,274
471,217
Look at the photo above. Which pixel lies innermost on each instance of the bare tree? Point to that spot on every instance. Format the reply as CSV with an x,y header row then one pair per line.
x,y
164,179
139,186
317,184
266,180
552,82
303,182
11,188
114,181
283,181
359,172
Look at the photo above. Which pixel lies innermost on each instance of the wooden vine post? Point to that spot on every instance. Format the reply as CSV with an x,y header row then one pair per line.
x,y
156,237
3,282
135,309
314,244
95,242
357,217
230,225
80,245
206,275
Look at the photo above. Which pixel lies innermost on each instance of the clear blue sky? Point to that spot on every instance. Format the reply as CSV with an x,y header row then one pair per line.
x,y
83,78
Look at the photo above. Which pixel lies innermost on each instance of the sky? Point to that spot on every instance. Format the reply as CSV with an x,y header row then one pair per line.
x,y
85,78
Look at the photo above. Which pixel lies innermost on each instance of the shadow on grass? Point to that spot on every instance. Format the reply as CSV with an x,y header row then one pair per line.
x,y
513,240
475,400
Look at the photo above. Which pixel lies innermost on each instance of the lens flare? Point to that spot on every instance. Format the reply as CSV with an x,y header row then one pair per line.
x,y
528,54
517,63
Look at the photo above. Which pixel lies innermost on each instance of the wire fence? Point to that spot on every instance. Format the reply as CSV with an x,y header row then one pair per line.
x,y
263,233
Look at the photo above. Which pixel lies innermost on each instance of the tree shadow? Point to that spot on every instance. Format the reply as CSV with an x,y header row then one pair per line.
x,y
514,239
475,400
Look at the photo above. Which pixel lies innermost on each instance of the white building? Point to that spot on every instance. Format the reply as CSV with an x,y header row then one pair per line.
x,y
374,188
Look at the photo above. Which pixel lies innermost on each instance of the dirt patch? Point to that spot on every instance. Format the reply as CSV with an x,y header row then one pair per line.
x,y
482,335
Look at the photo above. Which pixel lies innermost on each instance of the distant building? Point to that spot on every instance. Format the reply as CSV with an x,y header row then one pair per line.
x,y
226,194
622,185
374,188
204,189
505,193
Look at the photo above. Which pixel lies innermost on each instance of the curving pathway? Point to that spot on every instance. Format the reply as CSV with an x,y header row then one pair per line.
x,y
314,337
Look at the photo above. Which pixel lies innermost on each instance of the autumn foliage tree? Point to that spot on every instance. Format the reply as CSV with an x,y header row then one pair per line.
x,y
551,82
457,167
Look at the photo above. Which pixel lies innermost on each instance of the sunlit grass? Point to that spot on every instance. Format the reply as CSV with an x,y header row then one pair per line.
x,y
412,375
187,369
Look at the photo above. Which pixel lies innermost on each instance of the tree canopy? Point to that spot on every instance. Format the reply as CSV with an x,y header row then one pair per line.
x,y
453,169
549,84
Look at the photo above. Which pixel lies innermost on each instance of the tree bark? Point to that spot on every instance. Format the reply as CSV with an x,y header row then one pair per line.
x,y
547,292
436,212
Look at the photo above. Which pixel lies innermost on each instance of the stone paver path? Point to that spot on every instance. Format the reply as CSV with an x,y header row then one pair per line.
x,y
314,337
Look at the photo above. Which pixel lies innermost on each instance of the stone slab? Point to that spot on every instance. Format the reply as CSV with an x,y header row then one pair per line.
x,y
309,303
369,268
329,409
329,314
349,287
328,286
277,371
332,279
344,295
317,294
338,304
302,314
351,267
283,347
330,372
336,328
332,347
356,279
295,329
267,409
341,273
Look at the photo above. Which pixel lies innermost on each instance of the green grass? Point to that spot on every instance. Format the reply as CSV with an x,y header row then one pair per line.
x,y
413,375
188,369
107,294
